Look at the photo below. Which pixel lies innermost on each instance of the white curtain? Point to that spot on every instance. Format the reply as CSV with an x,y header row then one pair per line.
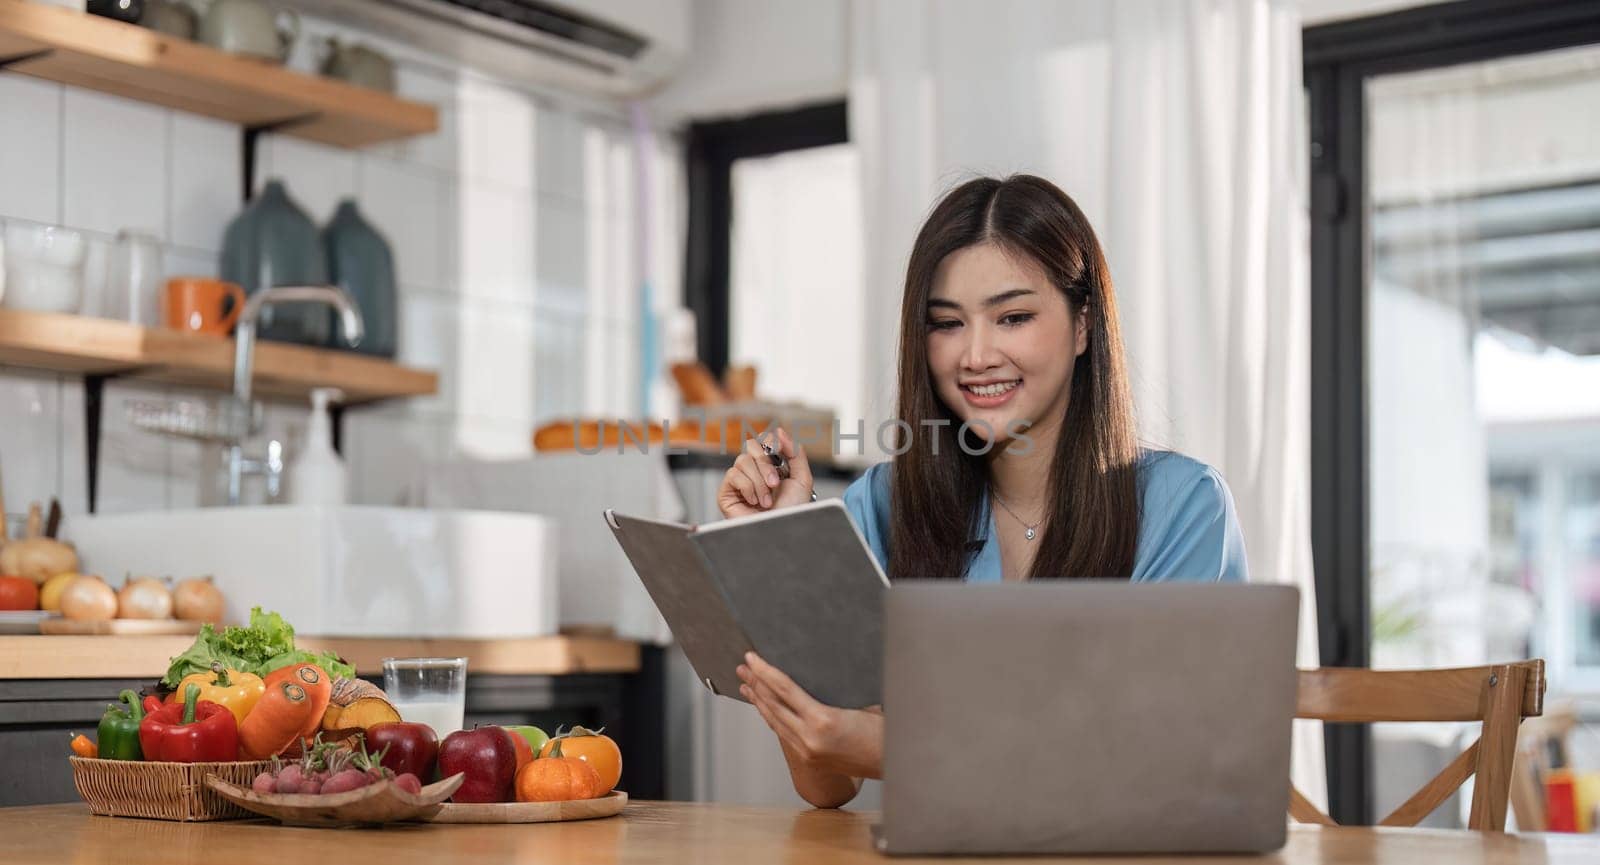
x,y
1178,126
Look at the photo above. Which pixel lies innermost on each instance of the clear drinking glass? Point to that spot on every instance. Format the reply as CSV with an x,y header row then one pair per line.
x,y
430,691
133,279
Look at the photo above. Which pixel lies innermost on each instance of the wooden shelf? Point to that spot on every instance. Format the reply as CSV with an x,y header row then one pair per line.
x,y
112,57
94,346
123,657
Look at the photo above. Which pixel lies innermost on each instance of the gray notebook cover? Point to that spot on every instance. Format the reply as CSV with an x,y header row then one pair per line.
x,y
798,586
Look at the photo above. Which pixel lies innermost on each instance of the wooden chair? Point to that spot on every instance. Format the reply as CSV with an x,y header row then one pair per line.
x,y
1499,696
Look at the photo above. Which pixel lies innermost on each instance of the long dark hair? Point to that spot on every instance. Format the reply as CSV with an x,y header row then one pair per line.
x,y
1092,518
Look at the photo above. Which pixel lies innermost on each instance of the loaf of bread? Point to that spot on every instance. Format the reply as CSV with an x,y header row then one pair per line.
x,y
697,384
566,435
739,383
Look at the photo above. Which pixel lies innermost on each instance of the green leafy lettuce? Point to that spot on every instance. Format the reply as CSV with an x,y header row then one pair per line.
x,y
266,644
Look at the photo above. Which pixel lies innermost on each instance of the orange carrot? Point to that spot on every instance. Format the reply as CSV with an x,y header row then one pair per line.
x,y
275,722
318,685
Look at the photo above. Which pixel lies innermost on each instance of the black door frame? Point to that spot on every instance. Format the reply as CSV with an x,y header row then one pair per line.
x,y
1339,58
712,148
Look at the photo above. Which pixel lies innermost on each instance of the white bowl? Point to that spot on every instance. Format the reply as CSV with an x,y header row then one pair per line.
x,y
44,267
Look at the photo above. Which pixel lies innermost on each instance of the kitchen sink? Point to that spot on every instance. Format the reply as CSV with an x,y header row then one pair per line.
x,y
346,571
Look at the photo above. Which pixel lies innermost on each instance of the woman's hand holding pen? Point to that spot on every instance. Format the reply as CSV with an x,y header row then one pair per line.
x,y
755,484
844,741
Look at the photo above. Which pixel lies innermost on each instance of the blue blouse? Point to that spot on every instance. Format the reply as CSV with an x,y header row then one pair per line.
x,y
1187,527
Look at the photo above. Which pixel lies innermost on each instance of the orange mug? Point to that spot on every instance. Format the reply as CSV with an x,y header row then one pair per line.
x,y
196,303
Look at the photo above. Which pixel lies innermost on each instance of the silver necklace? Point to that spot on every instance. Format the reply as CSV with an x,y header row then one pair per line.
x,y
1031,530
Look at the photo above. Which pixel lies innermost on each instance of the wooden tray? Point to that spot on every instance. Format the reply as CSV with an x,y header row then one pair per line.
x,y
123,627
383,802
608,805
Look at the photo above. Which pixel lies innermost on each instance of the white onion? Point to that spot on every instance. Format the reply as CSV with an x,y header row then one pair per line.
x,y
88,598
144,598
198,600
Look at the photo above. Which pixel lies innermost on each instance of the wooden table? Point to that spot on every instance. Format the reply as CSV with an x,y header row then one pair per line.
x,y
652,832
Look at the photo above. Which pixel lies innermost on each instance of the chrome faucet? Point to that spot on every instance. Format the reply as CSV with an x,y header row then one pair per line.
x,y
240,407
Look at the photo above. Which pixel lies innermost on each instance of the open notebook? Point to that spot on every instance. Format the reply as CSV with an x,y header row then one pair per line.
x,y
797,585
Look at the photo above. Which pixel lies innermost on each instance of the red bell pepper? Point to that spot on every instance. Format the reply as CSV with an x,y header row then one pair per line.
x,y
194,731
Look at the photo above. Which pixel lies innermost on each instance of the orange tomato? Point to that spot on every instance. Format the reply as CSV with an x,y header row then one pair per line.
x,y
18,593
592,748
558,779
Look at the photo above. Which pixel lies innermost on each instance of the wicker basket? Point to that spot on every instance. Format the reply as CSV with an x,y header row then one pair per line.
x,y
164,791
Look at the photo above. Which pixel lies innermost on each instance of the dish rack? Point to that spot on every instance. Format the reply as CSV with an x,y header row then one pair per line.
x,y
228,423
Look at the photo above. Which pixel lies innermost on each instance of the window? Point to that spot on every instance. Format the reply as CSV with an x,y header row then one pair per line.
x,y
796,305
713,150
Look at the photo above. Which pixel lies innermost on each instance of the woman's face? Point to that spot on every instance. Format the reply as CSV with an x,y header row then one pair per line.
x,y
1001,341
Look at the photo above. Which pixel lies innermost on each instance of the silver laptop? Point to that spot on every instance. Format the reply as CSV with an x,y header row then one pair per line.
x,y
1087,717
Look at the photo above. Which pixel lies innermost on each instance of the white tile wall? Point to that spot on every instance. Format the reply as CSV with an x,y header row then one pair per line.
x,y
497,135
558,337
558,156
30,149
441,150
30,439
491,439
498,243
205,181
430,338
387,447
114,162
135,466
508,227
562,255
187,262
404,201
317,176
494,368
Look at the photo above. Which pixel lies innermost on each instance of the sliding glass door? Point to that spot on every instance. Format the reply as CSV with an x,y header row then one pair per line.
x,y
1483,381
1456,371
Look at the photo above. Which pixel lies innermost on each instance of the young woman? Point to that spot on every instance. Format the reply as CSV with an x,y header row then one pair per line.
x,y
1021,460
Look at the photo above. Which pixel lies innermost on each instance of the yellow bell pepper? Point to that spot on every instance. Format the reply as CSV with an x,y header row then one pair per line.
x,y
233,690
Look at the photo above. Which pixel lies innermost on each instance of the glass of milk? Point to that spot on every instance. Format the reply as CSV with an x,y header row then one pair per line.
x,y
430,691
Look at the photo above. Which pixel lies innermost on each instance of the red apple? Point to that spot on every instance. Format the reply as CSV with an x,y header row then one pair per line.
x,y
487,756
412,747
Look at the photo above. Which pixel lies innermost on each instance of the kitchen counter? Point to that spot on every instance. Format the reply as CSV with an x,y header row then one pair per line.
x,y
117,657
651,832
52,686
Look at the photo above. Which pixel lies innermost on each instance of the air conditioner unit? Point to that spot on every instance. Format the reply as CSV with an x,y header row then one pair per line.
x,y
615,48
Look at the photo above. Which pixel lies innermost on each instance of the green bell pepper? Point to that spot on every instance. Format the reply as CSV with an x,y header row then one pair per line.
x,y
119,729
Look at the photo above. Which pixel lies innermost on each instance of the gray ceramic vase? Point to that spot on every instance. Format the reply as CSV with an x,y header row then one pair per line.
x,y
273,242
361,262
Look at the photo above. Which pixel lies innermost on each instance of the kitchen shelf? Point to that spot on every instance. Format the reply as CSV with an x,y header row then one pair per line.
x,y
101,347
126,60
114,657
